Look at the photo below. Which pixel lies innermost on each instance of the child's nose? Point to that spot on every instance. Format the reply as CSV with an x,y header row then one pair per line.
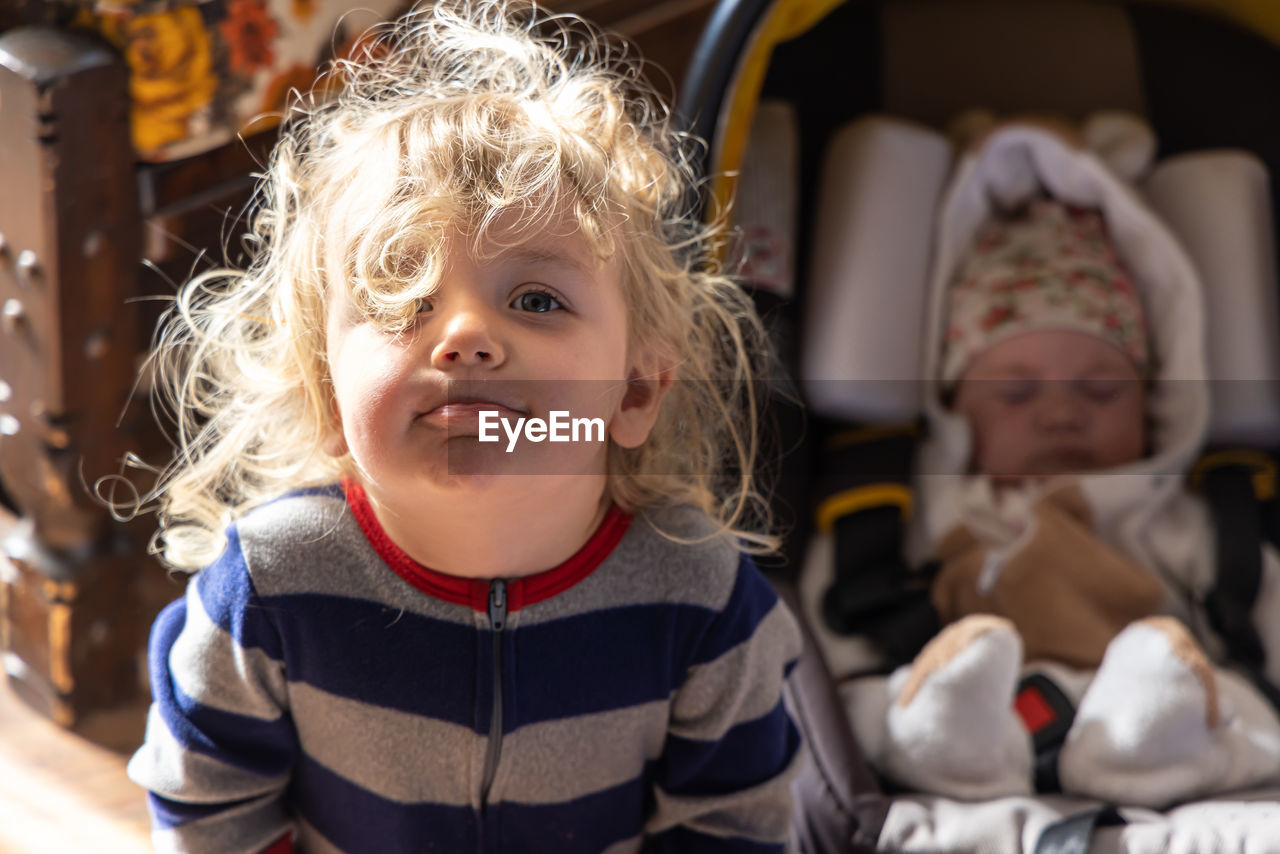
x,y
1060,408
468,340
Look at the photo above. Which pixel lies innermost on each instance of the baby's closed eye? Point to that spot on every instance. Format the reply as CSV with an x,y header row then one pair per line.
x,y
1102,389
1015,391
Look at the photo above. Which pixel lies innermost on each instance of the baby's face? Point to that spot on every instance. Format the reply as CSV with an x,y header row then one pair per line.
x,y
1052,402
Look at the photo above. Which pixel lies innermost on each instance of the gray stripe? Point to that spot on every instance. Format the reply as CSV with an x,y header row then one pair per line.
x,y
558,761
313,544
211,668
399,756
163,766
646,567
406,758
743,684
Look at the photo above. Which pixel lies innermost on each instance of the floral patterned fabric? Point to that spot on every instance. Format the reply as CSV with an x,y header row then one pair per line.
x,y
1046,266
203,72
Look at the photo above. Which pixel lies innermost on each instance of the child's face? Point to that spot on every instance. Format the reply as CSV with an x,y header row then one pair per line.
x,y
538,327
1052,402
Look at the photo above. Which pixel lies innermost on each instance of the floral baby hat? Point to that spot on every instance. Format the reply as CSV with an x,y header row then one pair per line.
x,y
1044,266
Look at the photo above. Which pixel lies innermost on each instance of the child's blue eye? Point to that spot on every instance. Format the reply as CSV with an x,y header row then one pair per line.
x,y
535,301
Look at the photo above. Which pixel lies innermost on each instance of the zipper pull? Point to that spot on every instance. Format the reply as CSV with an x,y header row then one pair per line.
x,y
498,605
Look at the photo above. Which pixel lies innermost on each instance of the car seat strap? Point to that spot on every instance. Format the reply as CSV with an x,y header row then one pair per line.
x,y
1072,834
1047,713
1239,487
1235,484
865,501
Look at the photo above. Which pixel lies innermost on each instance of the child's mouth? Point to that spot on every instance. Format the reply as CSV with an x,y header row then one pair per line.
x,y
1064,460
462,417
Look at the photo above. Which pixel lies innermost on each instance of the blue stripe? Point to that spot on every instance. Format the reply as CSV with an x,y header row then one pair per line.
x,y
602,660
627,656
683,841
167,814
164,632
253,744
749,753
228,597
357,820
370,652
751,601
584,664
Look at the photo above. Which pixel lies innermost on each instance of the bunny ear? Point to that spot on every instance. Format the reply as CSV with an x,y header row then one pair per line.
x,y
1123,141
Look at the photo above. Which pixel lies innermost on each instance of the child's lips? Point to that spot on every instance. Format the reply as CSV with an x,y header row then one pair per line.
x,y
1066,459
462,418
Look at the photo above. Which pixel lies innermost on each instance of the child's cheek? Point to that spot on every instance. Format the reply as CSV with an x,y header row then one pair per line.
x,y
1001,437
371,383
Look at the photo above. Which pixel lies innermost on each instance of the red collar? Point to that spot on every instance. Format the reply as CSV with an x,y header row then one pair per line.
x,y
475,592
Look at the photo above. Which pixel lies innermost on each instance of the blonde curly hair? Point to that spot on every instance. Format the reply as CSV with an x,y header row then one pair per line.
x,y
452,116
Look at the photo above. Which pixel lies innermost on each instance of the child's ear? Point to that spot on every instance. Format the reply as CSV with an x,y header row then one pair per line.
x,y
334,444
647,384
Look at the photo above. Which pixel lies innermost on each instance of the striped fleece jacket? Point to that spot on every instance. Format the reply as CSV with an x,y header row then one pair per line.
x,y
316,681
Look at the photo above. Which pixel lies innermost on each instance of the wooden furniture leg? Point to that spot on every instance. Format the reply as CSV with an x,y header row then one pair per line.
x,y
72,620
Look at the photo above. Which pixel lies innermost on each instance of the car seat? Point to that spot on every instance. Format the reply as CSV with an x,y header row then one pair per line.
x,y
830,212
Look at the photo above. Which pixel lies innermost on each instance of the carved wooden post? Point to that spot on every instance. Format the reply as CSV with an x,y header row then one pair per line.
x,y
71,624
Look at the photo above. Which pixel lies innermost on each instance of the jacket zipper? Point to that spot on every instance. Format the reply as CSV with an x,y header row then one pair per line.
x,y
498,622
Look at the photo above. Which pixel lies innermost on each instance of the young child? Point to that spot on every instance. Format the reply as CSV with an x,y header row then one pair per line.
x,y
1069,401
402,638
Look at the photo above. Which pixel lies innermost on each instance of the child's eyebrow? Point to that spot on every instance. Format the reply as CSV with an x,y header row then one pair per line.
x,y
1022,371
529,255
1106,368
1010,370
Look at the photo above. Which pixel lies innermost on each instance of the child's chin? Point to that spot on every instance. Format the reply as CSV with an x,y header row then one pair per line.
x,y
478,468
475,464
477,483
